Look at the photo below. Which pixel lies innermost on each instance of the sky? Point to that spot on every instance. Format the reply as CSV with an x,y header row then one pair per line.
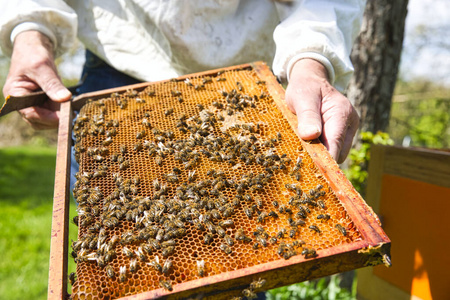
x,y
431,63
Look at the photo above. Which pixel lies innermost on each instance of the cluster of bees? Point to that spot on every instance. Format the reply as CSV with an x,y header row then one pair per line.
x,y
185,198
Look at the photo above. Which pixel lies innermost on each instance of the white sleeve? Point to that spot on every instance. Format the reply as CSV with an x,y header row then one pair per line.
x,y
321,30
53,18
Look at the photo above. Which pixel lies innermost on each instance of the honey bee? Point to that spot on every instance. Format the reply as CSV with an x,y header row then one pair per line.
x,y
249,294
151,93
124,165
140,254
309,253
228,240
321,204
167,251
146,123
341,229
314,228
248,212
72,278
225,248
220,231
127,252
166,284
168,112
199,87
226,223
155,264
207,238
167,266
122,273
123,149
323,217
110,271
133,265
257,284
201,268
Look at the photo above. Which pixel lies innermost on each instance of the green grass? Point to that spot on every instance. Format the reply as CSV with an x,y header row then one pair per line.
x,y
26,193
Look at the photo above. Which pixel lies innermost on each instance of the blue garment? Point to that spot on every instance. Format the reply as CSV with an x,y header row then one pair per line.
x,y
97,75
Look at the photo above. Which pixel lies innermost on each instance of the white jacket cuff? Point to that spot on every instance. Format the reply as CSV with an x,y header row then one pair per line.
x,y
317,57
28,26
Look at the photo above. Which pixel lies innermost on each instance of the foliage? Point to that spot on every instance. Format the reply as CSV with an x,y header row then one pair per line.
x,y
321,289
359,158
26,191
420,115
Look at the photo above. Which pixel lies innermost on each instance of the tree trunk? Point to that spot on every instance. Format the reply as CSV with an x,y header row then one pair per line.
x,y
376,57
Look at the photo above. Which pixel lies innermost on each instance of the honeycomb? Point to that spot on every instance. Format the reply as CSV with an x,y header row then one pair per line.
x,y
190,178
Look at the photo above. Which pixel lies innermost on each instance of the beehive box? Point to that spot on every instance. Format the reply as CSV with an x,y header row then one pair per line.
x,y
199,187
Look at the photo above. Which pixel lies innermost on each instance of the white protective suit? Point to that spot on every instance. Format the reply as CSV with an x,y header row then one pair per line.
x,y
154,40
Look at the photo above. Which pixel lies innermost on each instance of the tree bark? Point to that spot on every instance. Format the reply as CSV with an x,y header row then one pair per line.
x,y
376,58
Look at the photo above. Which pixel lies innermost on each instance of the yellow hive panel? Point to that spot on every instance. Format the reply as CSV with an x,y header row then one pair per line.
x,y
194,178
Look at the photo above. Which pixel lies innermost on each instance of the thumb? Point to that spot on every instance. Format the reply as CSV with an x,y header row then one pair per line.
x,y
307,105
51,84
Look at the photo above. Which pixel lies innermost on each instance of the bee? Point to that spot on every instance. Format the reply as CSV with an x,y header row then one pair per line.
x,y
108,141
261,240
151,93
281,233
207,238
133,265
167,251
220,231
175,93
257,284
262,216
122,273
323,217
146,123
140,254
226,223
124,165
201,268
228,240
259,202
166,284
293,232
127,252
167,266
158,160
341,229
221,79
273,240
314,228
191,176
123,149
110,133
110,271
249,294
155,264
168,112
309,253
199,87
72,278
321,204
273,214
99,158
225,248
248,212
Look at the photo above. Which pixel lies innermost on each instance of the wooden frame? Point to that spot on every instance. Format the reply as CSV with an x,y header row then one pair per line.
x,y
369,251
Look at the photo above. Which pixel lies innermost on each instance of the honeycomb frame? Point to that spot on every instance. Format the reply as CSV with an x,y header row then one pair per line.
x,y
369,246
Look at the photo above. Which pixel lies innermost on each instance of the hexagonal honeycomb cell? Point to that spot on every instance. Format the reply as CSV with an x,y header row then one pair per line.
x,y
191,178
